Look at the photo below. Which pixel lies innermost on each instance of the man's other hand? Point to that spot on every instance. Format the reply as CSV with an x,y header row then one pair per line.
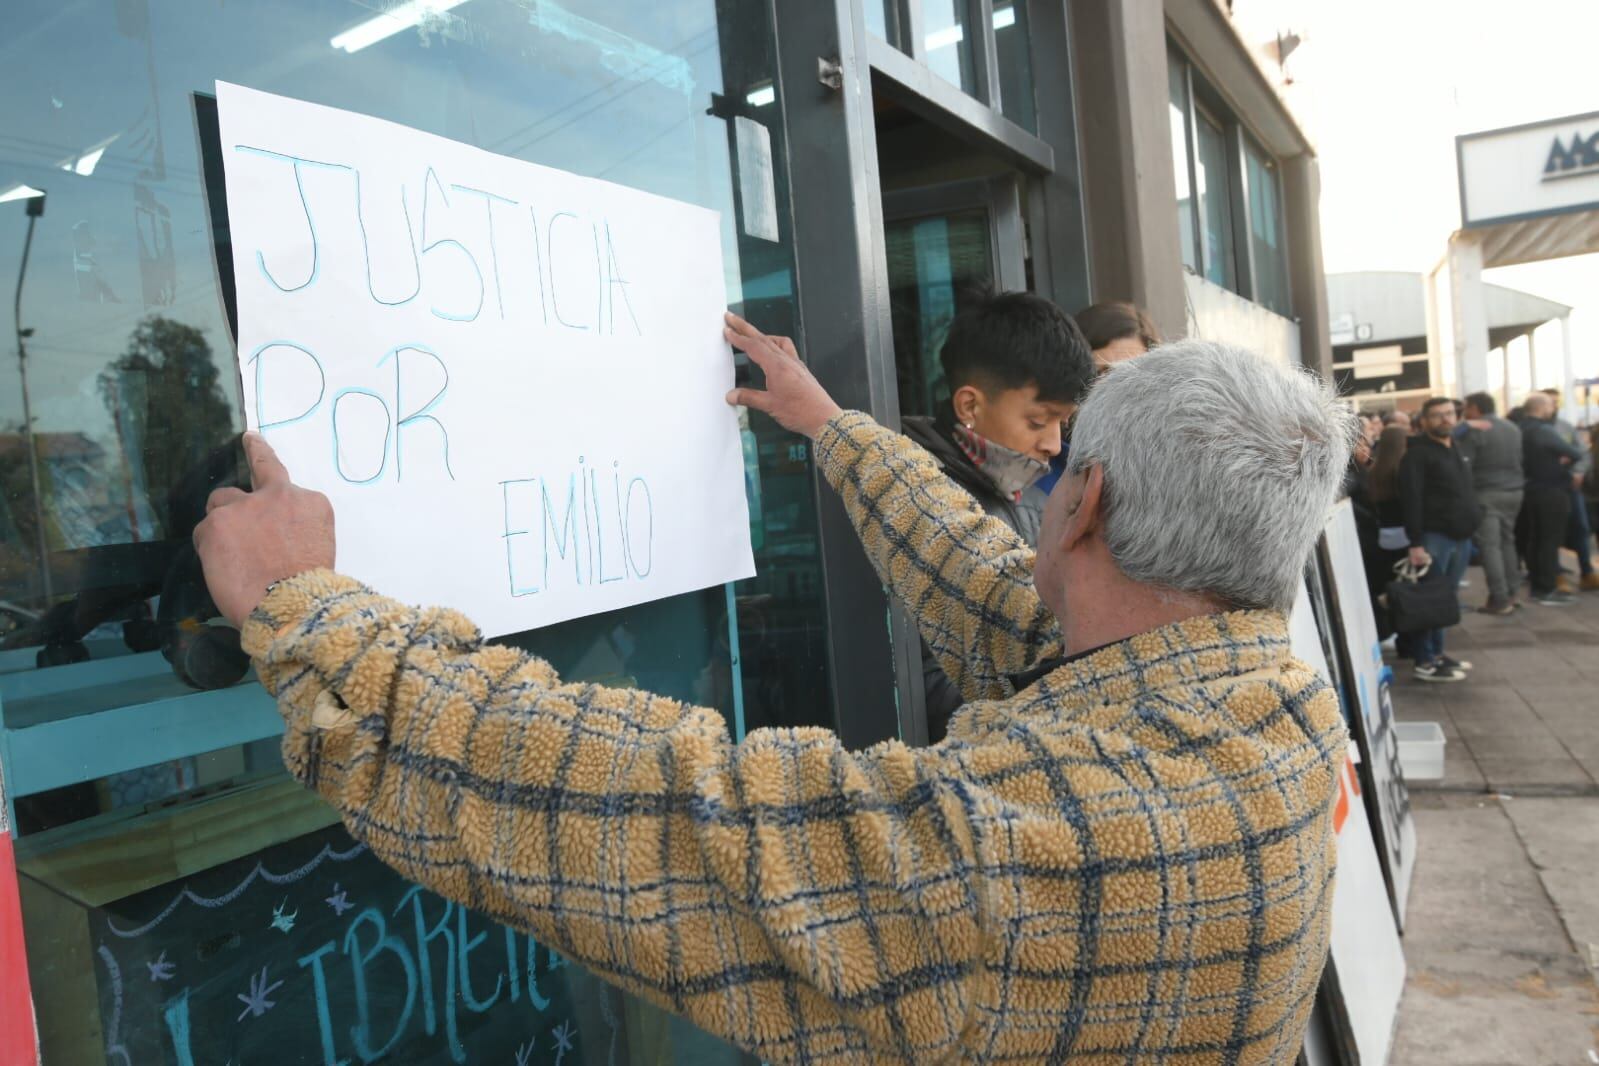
x,y
792,395
248,540
1419,557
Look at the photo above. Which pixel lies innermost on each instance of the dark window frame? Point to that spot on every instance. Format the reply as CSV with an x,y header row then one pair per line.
x,y
1204,101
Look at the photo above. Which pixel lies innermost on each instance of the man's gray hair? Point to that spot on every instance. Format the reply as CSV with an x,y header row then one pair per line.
x,y
1219,469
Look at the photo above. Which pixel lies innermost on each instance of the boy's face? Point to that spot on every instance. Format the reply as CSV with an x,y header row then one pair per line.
x,y
1015,418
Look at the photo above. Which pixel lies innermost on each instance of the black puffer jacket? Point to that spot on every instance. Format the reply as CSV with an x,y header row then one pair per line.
x,y
937,435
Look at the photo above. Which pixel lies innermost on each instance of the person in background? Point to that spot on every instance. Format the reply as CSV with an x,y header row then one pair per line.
x,y
1383,487
1115,331
1491,447
1441,514
1590,481
1548,460
1016,366
1398,418
1577,528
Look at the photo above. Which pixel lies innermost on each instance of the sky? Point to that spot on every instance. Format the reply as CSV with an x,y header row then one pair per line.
x,y
1383,87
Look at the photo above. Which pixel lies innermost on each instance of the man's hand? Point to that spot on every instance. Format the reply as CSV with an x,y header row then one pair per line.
x,y
1419,557
248,540
792,395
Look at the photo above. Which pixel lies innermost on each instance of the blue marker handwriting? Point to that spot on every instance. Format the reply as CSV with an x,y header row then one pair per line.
x,y
583,527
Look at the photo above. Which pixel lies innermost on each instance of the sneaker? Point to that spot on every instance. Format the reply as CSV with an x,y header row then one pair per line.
x,y
1556,598
1453,663
1499,607
1589,583
1438,672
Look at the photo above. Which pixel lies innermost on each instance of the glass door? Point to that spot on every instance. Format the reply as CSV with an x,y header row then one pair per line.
x,y
945,243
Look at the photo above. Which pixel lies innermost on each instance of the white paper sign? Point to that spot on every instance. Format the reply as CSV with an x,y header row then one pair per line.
x,y
509,379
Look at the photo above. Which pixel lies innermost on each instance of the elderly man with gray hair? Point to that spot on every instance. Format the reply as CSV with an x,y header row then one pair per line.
x,y
1123,850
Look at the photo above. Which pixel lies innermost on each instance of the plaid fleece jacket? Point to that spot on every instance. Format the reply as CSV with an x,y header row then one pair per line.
x,y
1131,860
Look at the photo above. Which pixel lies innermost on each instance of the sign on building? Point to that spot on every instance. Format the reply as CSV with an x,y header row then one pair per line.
x,y
509,379
1543,168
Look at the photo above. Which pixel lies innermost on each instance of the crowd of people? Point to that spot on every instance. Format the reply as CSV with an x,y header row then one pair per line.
x,y
1458,483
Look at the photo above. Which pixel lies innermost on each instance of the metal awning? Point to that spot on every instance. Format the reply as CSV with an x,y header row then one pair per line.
x,y
1534,239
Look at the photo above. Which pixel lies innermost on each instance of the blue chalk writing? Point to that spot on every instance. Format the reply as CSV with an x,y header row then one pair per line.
x,y
464,945
310,223
261,424
338,454
614,280
423,412
176,1015
366,248
555,296
327,854
255,1001
428,247
319,989
510,566
538,267
649,507
425,936
568,525
489,200
113,1042
361,1034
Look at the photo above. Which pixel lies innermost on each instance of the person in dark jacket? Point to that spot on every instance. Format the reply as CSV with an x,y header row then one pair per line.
x,y
1016,366
1548,460
1441,513
1577,528
1491,447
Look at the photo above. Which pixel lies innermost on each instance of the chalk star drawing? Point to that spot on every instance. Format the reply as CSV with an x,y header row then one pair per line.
x,y
563,1041
337,900
283,921
160,969
524,1054
256,1003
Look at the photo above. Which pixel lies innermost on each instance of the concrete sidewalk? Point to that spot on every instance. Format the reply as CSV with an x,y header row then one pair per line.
x,y
1502,938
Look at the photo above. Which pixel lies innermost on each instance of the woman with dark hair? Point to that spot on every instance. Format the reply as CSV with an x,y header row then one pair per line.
x,y
1392,544
1117,331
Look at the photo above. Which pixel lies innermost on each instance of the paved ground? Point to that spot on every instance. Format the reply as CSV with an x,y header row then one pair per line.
x,y
1502,941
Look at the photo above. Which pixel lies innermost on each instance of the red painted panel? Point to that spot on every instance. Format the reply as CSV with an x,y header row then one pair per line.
x,y
18,1044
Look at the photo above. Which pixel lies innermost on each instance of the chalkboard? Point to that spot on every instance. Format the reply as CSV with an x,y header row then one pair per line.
x,y
314,951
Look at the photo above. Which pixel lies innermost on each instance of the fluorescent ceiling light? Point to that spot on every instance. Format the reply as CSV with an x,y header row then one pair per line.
x,y
945,37
389,23
761,95
20,192
1004,16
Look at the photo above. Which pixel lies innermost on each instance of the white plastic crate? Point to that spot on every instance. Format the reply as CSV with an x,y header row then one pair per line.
x,y
1421,750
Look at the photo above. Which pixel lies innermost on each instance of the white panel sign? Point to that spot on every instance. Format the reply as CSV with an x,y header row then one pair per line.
x,y
1365,945
509,379
1525,171
1372,684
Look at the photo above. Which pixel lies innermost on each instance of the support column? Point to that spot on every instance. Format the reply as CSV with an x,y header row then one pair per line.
x,y
1466,367
1568,376
1129,183
1307,279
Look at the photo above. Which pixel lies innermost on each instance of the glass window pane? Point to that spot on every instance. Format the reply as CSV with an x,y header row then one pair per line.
x,y
877,18
133,410
1215,206
1015,64
1177,84
947,42
934,264
1266,230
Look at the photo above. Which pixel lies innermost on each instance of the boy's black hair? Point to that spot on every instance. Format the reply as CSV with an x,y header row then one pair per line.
x,y
1014,339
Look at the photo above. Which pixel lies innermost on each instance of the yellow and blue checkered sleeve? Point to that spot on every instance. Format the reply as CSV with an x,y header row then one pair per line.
x,y
966,576
803,901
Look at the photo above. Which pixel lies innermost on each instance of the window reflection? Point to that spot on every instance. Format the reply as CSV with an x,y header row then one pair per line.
x,y
946,41
132,385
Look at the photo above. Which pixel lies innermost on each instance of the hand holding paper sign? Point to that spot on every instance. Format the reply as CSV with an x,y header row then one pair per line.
x,y
792,395
248,540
